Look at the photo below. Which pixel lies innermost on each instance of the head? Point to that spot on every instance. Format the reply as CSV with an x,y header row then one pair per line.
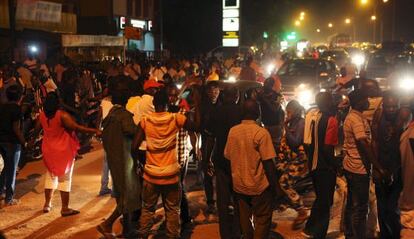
x,y
14,93
324,101
51,104
151,87
294,110
359,100
371,87
172,92
231,95
251,94
268,84
119,90
251,110
213,91
160,101
390,105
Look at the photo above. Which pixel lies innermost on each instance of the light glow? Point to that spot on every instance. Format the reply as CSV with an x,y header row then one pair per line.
x,y
358,59
407,83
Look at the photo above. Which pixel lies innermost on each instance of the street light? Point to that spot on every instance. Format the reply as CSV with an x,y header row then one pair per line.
x,y
302,17
318,30
364,2
330,25
373,18
347,21
297,23
302,14
384,1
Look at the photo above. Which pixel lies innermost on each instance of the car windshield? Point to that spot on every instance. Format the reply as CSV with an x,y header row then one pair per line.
x,y
334,54
299,68
378,60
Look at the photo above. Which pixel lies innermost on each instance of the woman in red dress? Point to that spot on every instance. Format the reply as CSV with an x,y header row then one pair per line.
x,y
59,148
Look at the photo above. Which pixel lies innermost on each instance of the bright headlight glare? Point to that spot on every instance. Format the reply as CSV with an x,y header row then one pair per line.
x,y
305,97
270,68
407,83
231,79
358,59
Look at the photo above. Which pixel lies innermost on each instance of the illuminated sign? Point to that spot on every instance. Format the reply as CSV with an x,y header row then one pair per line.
x,y
122,22
133,22
231,23
231,4
233,35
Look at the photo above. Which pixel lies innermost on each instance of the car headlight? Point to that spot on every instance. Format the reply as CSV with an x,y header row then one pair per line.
x,y
358,59
407,83
270,68
305,96
231,79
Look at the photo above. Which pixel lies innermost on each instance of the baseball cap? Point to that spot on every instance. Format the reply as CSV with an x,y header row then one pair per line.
x,y
151,83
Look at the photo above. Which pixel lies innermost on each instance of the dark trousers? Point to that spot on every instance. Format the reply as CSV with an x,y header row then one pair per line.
x,y
185,213
207,150
260,207
324,182
388,210
229,223
356,210
11,156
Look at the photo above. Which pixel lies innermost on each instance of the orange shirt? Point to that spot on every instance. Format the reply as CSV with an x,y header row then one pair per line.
x,y
161,130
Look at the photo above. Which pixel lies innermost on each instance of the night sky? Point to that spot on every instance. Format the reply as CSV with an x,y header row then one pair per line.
x,y
194,26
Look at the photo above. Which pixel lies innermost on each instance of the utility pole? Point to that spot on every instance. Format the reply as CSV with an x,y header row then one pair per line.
x,y
12,28
161,28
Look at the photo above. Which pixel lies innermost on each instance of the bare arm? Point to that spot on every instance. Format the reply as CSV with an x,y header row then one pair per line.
x,y
367,155
70,123
138,139
18,132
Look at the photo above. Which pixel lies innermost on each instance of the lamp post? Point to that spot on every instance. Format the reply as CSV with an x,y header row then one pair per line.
x,y
374,31
349,22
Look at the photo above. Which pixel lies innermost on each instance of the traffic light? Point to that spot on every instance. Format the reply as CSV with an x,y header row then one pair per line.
x,y
265,35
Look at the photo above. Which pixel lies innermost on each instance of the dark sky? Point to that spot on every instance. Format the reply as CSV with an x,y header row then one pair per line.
x,y
194,26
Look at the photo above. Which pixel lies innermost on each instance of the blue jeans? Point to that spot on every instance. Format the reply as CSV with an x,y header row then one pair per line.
x,y
11,156
356,211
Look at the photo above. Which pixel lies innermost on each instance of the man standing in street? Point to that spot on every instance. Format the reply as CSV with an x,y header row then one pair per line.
x,y
321,136
209,104
272,112
357,165
251,153
224,118
162,170
386,141
11,142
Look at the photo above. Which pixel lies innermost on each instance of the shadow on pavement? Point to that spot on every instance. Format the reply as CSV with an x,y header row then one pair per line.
x,y
62,223
16,225
27,185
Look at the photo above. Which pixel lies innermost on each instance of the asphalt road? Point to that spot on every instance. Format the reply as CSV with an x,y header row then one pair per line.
x,y
26,219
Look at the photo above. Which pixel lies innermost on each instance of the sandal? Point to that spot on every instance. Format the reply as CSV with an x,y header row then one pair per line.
x,y
47,209
69,212
107,235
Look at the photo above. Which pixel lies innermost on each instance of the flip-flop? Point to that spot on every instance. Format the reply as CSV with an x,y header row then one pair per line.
x,y
107,235
70,212
47,209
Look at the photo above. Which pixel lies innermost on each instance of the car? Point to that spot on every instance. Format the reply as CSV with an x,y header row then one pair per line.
x,y
302,78
340,56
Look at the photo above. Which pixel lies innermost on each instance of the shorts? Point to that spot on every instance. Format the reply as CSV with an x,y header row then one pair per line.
x,y
62,183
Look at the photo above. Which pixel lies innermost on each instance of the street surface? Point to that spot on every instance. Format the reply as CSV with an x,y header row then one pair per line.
x,y
26,220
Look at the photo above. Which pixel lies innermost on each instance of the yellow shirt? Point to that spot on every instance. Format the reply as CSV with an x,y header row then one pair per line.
x,y
161,129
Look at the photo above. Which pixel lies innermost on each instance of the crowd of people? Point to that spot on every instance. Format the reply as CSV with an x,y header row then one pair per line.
x,y
153,119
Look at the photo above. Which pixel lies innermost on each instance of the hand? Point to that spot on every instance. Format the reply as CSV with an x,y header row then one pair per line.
x,y
382,176
98,133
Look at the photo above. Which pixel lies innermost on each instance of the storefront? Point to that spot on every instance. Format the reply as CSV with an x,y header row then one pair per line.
x,y
92,48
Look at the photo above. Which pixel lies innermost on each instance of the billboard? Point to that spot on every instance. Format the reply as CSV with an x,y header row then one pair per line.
x,y
231,23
